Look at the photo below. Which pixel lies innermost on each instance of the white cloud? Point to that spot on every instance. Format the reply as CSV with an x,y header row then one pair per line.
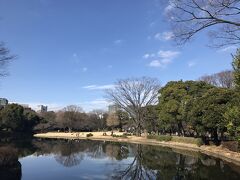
x,y
167,35
95,104
102,87
164,58
147,56
191,64
160,63
166,61
84,69
168,8
228,48
118,41
109,66
168,54
155,63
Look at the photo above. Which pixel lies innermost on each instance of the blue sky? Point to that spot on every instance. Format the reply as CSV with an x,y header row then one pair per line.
x,y
70,51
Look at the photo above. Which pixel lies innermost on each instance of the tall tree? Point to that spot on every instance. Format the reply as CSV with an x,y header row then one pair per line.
x,y
112,120
236,69
207,112
220,17
175,102
132,95
70,117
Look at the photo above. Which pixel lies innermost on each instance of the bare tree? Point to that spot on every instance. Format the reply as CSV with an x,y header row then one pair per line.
x,y
112,120
220,17
222,79
70,117
132,95
225,79
5,57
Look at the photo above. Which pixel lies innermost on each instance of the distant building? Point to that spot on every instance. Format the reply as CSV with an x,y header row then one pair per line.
x,y
112,109
3,102
41,108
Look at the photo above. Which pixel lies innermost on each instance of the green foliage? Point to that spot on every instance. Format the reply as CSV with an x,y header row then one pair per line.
x,y
150,116
16,118
207,111
160,137
175,101
236,69
89,135
121,136
127,134
232,116
188,140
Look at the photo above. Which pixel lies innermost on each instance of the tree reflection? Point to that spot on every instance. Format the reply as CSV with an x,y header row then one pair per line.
x,y
69,155
10,167
116,150
136,169
152,162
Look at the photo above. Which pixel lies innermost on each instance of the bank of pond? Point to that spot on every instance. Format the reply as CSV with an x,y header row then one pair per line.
x,y
88,159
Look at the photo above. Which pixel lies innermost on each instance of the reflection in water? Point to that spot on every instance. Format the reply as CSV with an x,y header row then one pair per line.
x,y
116,161
10,167
69,155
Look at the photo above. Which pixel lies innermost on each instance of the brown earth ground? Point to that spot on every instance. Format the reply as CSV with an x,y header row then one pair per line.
x,y
215,151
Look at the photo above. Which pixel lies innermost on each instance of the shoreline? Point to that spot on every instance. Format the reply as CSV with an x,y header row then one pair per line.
x,y
214,151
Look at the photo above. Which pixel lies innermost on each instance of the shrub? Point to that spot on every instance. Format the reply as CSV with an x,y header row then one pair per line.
x,y
188,140
127,134
89,135
121,136
231,145
151,136
160,137
163,138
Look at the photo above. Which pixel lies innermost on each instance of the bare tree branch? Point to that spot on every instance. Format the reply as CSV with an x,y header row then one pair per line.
x,y
220,17
133,94
5,58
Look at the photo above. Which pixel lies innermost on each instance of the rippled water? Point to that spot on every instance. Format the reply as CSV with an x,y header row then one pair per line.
x,y
85,159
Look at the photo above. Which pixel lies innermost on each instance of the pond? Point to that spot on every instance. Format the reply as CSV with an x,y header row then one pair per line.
x,y
85,159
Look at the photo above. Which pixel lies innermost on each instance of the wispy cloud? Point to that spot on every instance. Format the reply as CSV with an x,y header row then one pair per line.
x,y
99,103
101,87
169,7
155,63
162,63
85,69
161,58
118,41
191,64
168,54
228,49
147,56
110,66
164,36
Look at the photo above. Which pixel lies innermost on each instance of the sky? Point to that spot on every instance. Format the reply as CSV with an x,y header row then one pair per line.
x,y
70,51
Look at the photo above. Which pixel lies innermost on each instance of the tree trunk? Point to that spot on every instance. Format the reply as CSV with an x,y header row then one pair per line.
x,y
215,136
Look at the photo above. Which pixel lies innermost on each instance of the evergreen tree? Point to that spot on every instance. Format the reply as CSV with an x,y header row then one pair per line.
x,y
236,68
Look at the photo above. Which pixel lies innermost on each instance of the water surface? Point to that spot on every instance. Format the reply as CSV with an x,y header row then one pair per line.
x,y
85,159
